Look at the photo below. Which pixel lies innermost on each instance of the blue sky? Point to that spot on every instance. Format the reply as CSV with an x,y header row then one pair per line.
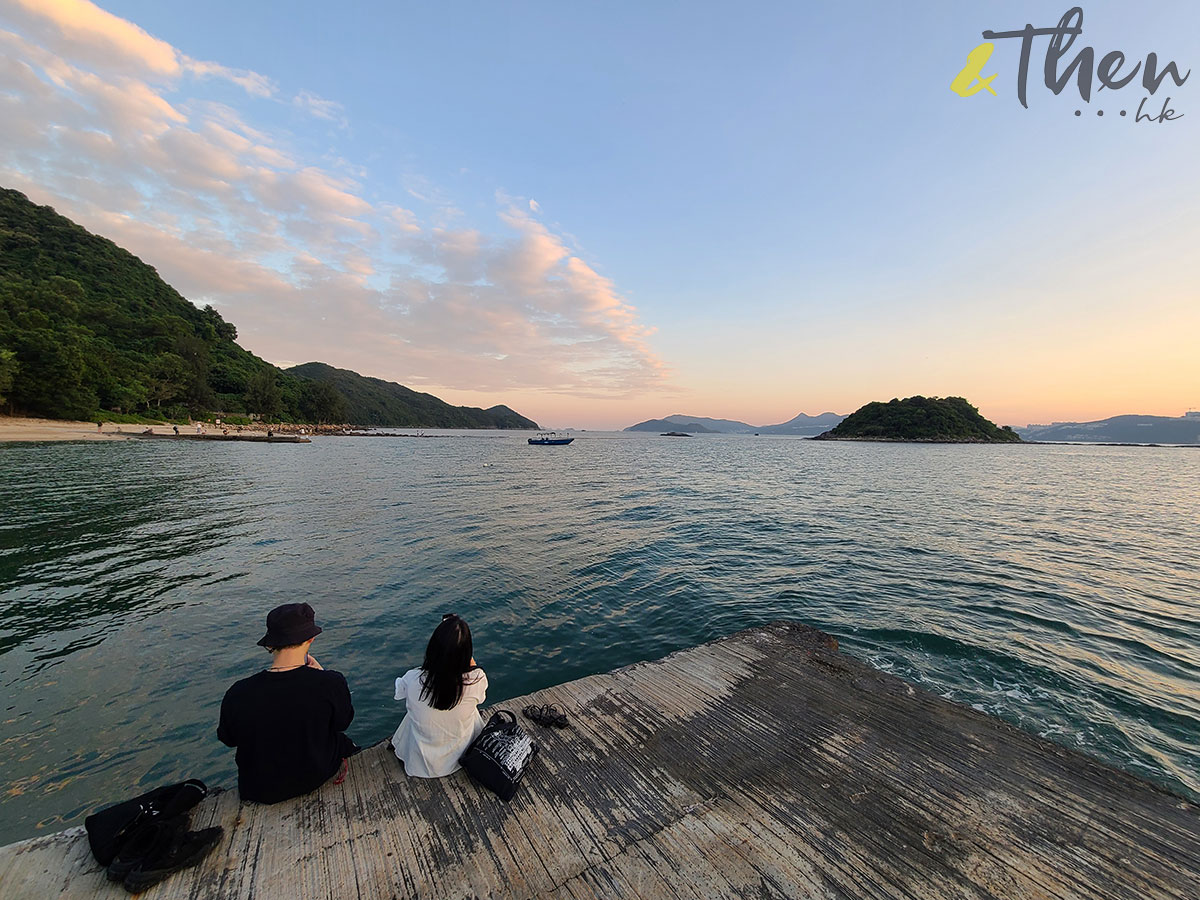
x,y
598,213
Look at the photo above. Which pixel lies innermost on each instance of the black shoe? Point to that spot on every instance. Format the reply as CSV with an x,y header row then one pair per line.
x,y
188,850
549,715
151,838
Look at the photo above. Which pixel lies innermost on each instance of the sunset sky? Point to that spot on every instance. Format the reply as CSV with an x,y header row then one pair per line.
x,y
601,213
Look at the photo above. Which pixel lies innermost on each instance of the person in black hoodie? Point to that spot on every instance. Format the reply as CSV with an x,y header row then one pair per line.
x,y
288,722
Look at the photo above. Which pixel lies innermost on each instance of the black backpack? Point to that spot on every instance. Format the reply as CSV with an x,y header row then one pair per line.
x,y
111,827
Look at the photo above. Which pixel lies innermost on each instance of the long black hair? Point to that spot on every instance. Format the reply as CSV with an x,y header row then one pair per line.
x,y
447,659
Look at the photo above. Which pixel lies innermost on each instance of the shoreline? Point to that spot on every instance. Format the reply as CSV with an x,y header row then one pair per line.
x,y
20,429
26,429
1022,442
900,440
17,429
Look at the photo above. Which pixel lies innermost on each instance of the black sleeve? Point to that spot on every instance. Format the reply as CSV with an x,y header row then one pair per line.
x,y
225,726
343,707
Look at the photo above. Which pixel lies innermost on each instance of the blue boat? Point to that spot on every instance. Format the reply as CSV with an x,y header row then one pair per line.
x,y
550,439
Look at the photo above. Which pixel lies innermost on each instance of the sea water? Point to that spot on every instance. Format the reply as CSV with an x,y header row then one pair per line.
x,y
1053,586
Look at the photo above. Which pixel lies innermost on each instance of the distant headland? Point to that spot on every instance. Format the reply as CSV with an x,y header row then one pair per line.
x,y
1124,429
941,420
90,332
802,425
1128,429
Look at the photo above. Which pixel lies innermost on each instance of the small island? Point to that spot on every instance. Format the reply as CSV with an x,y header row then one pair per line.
x,y
672,423
942,420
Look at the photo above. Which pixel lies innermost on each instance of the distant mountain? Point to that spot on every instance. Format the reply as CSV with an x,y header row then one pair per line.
x,y
932,419
804,424
801,424
373,401
674,423
1121,430
723,426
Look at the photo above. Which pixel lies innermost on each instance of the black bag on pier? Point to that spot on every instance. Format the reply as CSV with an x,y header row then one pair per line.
x,y
110,828
500,755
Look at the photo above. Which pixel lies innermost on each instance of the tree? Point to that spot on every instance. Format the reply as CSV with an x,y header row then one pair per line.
x,y
194,352
127,396
263,395
168,380
321,403
225,330
8,373
50,377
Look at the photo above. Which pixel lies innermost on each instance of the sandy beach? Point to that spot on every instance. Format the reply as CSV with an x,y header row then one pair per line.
x,y
21,429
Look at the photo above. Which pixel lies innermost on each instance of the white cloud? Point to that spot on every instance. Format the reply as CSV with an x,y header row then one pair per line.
x,y
251,82
320,107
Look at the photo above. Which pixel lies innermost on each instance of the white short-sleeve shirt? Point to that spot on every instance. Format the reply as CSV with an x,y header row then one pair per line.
x,y
429,741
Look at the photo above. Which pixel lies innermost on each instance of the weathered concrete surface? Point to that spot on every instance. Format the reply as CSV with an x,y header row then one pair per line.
x,y
763,765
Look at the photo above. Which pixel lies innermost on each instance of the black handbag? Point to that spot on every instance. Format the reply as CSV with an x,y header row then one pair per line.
x,y
498,758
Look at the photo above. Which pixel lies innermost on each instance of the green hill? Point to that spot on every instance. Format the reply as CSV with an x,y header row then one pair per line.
x,y
372,401
934,419
88,330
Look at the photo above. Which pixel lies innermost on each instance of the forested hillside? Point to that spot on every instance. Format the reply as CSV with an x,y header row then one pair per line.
x,y
372,401
88,329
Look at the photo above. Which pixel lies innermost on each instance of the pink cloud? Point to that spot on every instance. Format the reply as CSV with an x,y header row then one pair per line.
x,y
95,38
404,220
310,190
85,32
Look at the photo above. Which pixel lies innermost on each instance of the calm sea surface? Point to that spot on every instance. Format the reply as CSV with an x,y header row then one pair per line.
x,y
1056,587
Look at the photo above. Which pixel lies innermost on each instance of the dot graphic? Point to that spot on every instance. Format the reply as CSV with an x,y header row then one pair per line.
x,y
1099,112
1077,112
1122,112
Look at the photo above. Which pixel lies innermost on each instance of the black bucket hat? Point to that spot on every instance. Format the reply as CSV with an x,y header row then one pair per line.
x,y
289,624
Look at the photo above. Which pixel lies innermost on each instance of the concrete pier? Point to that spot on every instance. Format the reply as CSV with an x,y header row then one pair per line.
x,y
763,765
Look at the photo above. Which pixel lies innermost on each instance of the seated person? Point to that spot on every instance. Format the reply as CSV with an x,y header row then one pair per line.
x,y
288,722
442,698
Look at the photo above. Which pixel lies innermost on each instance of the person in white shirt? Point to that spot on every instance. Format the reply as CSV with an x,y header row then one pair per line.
x,y
442,700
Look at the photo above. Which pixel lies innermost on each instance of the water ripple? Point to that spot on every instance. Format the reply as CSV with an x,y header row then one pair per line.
x,y
1051,586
